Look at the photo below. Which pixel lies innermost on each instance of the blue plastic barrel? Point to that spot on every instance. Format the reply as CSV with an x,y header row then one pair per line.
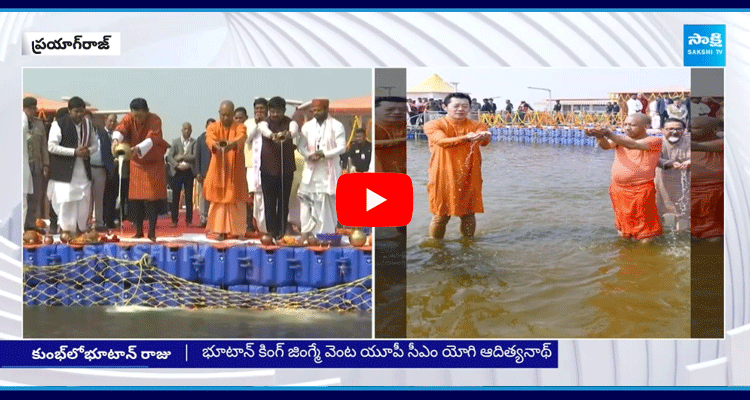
x,y
201,261
358,297
238,288
40,294
257,289
188,262
235,266
218,267
62,296
111,293
116,271
251,262
365,264
171,262
266,277
303,266
93,272
287,266
348,264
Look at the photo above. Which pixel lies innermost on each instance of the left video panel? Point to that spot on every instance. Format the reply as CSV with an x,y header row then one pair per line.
x,y
212,216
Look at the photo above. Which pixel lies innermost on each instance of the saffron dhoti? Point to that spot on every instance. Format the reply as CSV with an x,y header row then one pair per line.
x,y
635,210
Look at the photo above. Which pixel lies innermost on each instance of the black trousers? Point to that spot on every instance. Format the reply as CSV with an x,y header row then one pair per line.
x,y
110,200
276,202
149,209
180,180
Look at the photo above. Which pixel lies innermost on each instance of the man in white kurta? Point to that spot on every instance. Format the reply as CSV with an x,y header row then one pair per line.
x,y
634,105
71,200
253,147
321,141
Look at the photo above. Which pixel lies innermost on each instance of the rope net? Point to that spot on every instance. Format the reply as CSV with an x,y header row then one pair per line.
x,y
106,281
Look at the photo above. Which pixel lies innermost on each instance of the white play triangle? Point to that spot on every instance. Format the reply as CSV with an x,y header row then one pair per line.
x,y
373,200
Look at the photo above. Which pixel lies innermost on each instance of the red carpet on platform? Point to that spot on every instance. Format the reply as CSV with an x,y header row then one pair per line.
x,y
164,226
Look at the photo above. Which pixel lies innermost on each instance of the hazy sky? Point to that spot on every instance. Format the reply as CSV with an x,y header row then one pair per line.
x,y
194,95
513,83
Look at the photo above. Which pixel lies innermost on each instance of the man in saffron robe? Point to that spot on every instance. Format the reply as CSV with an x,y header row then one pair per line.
x,y
225,185
673,177
455,170
707,179
632,190
147,190
390,134
321,141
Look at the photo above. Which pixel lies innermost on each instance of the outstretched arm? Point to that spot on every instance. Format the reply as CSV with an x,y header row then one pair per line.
x,y
627,142
712,146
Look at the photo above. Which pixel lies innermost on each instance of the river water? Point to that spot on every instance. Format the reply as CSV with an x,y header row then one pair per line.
x,y
102,322
546,260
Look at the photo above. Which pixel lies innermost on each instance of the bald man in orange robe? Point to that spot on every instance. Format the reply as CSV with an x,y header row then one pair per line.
x,y
632,191
707,179
225,185
455,171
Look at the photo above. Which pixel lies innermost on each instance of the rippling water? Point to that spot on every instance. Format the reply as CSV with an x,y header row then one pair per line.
x,y
546,260
230,323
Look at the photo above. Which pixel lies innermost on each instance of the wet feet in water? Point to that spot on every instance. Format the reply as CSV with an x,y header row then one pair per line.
x,y
467,240
433,243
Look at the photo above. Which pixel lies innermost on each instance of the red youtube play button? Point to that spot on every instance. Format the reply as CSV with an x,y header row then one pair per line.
x,y
374,199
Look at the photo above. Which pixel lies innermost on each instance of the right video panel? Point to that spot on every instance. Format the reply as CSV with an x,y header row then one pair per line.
x,y
556,203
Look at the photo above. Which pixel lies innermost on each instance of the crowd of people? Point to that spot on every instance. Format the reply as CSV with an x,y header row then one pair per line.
x,y
416,109
659,107
265,173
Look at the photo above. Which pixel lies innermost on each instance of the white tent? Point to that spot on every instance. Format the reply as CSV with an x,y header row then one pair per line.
x,y
434,87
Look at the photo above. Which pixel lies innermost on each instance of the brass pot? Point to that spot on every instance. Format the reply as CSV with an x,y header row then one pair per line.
x,y
32,237
66,237
266,240
48,240
121,149
357,238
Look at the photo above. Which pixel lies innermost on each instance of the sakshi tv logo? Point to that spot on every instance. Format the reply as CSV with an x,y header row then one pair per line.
x,y
704,46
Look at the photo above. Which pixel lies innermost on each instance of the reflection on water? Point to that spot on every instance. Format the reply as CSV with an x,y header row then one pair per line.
x,y
140,322
546,260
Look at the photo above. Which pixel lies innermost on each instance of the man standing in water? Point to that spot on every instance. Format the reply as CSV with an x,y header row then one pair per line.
x,y
455,171
672,176
632,190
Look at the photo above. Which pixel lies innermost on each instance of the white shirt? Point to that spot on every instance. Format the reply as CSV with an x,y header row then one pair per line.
x,y
699,110
252,155
185,145
61,192
264,130
144,146
634,106
315,176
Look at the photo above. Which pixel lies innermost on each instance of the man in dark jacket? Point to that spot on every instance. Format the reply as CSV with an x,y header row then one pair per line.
x,y
102,168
